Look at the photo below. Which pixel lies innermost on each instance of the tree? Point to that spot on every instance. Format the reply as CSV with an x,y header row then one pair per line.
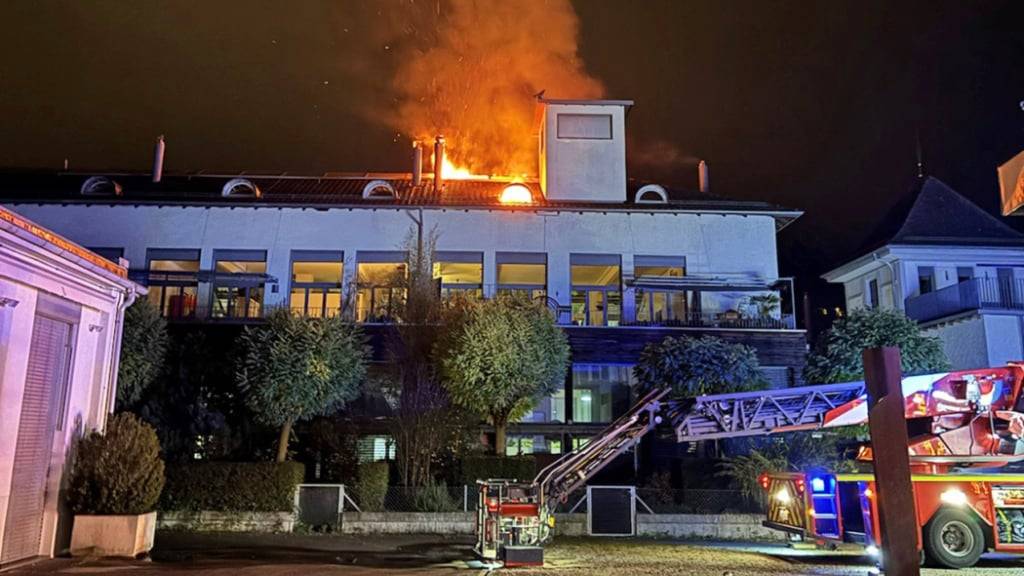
x,y
295,367
500,355
838,356
696,366
143,350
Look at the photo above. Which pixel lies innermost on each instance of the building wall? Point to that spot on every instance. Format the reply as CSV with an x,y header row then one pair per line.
x,y
712,244
26,271
1003,338
964,342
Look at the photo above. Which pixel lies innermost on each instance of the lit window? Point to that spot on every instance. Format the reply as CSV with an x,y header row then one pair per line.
x,y
600,392
173,280
380,281
522,273
596,290
516,194
316,284
660,306
461,273
239,278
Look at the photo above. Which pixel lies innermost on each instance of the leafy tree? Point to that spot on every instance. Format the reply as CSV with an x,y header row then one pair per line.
x,y
296,367
696,366
838,356
500,355
143,350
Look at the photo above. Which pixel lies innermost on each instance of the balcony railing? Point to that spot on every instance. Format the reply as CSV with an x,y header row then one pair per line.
x,y
974,294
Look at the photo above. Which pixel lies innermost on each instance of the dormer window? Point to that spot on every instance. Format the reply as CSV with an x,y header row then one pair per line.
x,y
100,186
651,194
241,188
379,190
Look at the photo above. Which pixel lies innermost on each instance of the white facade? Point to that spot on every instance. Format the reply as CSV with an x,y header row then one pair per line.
x,y
967,296
47,283
738,246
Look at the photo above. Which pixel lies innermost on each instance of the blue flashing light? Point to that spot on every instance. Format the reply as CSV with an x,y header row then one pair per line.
x,y
817,485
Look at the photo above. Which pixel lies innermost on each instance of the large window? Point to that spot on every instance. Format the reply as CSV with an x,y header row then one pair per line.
x,y
600,392
461,273
238,280
654,305
173,280
316,283
596,290
380,277
375,448
522,273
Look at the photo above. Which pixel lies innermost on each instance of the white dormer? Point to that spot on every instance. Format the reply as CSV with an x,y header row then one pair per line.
x,y
583,150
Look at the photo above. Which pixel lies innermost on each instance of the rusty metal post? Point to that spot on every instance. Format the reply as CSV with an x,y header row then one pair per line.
x,y
886,419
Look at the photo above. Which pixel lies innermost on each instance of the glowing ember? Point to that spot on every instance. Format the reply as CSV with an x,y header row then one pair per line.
x,y
516,194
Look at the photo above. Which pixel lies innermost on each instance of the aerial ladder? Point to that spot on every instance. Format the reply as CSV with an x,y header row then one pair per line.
x,y
958,421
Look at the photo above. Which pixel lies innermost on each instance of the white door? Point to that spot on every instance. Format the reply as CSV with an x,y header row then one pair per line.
x,y
45,380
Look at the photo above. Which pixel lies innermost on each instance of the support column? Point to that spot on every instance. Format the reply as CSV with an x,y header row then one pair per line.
x,y
887,420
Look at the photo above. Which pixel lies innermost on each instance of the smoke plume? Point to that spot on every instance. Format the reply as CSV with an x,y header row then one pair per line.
x,y
470,70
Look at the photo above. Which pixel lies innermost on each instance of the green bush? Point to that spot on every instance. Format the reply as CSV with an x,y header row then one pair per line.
x,y
522,468
119,472
435,498
372,485
232,486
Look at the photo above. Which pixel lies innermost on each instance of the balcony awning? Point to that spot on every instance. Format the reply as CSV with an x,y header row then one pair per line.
x,y
704,283
174,276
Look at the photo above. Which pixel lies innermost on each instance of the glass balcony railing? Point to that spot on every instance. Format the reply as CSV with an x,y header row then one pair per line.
x,y
974,294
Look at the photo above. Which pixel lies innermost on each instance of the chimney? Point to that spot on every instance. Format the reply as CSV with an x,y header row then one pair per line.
x,y
158,159
417,163
705,182
438,162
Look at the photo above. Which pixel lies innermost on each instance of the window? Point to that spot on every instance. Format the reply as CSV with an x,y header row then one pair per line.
x,y
963,274
584,126
522,273
872,294
520,445
375,448
173,280
380,277
600,392
238,280
461,273
651,194
316,283
925,279
660,306
596,290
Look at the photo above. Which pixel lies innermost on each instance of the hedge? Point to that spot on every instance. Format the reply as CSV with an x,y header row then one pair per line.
x,y
522,468
232,486
372,485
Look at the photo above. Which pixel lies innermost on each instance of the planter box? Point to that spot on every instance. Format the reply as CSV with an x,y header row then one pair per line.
x,y
126,536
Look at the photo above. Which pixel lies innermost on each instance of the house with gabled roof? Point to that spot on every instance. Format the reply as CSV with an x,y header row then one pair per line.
x,y
951,266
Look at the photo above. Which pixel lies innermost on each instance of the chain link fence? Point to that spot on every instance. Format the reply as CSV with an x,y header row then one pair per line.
x,y
695,501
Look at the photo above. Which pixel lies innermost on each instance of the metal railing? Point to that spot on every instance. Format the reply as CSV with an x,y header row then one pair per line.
x,y
974,294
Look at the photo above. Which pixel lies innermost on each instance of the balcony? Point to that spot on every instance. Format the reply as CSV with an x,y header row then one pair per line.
x,y
975,294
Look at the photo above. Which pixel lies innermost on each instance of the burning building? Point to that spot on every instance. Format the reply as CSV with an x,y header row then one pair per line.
x,y
621,262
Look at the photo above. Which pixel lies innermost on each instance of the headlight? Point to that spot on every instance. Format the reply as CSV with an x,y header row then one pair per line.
x,y
783,496
954,496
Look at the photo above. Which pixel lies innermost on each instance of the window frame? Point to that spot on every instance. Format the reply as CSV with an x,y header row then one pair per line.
x,y
325,288
459,257
588,290
187,279
534,291
395,257
247,287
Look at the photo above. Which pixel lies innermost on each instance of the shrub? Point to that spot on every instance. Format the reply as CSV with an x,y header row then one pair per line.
x,y
695,366
143,352
435,498
372,485
479,467
232,486
119,472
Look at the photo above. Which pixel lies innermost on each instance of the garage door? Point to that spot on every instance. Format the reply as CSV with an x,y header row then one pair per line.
x,y
44,385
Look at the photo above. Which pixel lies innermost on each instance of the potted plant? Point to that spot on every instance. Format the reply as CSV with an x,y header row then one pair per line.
x,y
115,484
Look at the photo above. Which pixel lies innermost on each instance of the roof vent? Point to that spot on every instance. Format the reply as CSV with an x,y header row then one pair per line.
x,y
651,194
100,186
241,188
379,190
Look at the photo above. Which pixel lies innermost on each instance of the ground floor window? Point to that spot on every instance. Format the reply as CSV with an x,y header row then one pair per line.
x,y
523,444
600,392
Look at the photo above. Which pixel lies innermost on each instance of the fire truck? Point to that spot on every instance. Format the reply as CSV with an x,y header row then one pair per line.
x,y
964,430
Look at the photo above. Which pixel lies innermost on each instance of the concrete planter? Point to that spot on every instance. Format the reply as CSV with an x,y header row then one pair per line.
x,y
125,536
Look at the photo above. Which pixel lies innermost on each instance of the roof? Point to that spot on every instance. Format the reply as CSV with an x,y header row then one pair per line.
x,y
936,215
344,190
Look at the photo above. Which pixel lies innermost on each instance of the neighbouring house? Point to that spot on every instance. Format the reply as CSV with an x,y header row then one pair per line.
x,y
951,266
622,263
61,311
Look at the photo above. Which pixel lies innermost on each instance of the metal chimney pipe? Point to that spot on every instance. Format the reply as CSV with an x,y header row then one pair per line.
x,y
438,162
417,163
158,159
705,179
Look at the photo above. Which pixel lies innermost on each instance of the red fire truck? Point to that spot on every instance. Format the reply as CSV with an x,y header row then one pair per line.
x,y
962,426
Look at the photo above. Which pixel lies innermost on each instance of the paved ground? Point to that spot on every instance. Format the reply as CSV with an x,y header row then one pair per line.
x,y
297,555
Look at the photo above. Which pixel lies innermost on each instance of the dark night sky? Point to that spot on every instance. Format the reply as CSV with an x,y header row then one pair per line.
x,y
813,105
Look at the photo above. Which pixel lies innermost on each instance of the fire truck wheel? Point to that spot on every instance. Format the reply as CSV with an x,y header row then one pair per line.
x,y
953,539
